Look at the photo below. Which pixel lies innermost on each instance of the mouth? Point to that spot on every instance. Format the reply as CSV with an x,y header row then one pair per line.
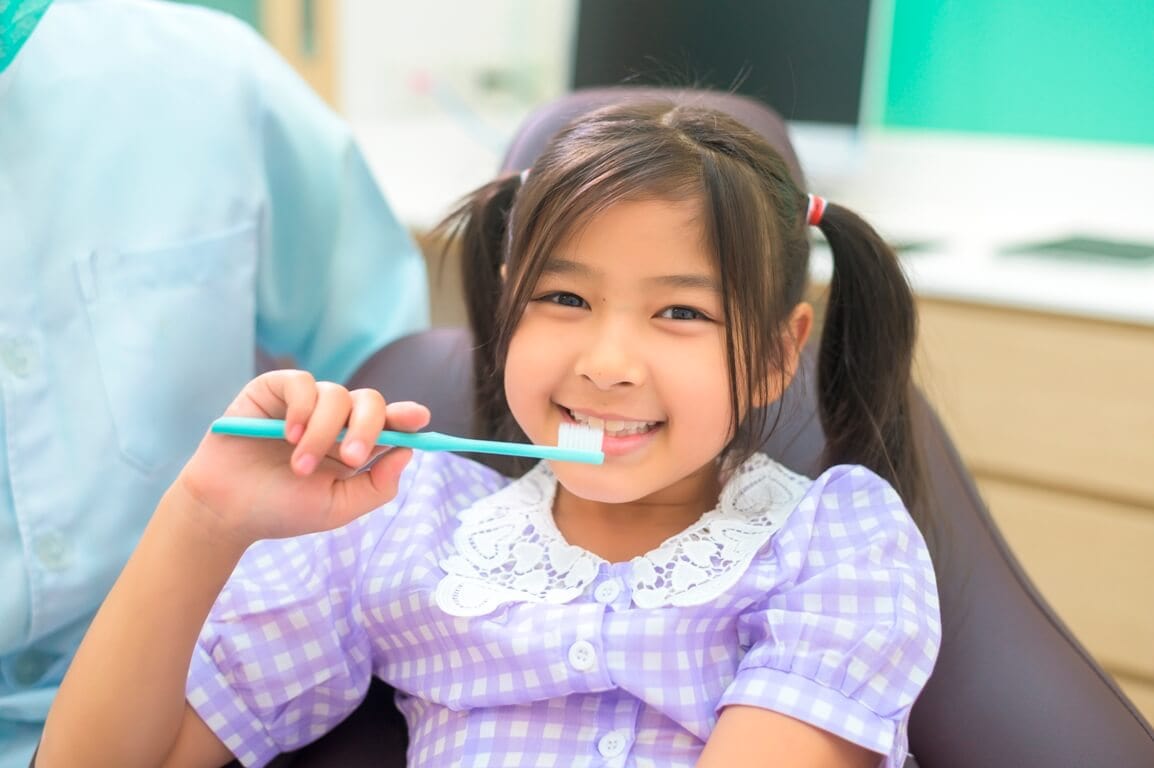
x,y
613,427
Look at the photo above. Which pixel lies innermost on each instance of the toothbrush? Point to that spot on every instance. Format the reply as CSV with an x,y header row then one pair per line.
x,y
575,442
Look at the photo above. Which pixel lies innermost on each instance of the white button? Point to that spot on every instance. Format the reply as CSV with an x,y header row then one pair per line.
x,y
582,655
613,743
607,591
18,356
52,550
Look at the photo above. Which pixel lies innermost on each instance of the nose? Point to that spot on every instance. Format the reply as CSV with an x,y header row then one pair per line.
x,y
610,357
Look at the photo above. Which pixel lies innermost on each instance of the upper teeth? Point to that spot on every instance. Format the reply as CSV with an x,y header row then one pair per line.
x,y
613,426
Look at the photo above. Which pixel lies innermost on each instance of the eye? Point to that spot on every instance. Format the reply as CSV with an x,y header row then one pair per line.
x,y
682,313
564,299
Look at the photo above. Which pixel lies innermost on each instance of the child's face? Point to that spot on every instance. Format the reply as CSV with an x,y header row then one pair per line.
x,y
626,326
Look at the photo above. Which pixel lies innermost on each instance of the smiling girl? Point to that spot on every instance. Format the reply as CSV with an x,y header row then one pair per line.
x,y
688,602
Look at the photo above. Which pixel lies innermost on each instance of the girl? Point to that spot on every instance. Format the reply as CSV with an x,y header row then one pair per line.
x,y
688,602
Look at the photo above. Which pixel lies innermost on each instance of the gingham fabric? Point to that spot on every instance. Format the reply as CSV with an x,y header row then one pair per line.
x,y
834,621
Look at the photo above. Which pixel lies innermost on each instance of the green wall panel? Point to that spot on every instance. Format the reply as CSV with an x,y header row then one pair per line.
x,y
1051,68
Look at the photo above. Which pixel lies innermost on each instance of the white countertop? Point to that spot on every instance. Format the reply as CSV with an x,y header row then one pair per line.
x,y
971,197
967,196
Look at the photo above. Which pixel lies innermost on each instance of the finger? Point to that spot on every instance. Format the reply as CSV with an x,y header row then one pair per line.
x,y
385,475
366,420
403,416
328,418
368,490
406,416
298,389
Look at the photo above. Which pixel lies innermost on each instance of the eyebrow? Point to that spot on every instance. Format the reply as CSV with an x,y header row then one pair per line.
x,y
695,281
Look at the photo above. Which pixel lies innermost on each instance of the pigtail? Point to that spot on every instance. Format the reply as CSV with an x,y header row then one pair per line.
x,y
866,355
478,229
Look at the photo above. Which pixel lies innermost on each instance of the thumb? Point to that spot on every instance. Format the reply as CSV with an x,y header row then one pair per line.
x,y
406,416
372,488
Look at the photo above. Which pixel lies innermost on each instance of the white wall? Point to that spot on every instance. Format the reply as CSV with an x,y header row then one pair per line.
x,y
408,57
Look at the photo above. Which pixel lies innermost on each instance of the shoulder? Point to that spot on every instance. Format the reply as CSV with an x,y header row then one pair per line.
x,y
849,551
802,520
142,40
849,507
854,491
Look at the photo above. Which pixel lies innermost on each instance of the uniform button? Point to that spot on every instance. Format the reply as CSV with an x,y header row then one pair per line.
x,y
18,357
613,743
52,550
607,591
582,655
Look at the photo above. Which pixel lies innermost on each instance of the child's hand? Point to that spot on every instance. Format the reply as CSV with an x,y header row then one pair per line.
x,y
260,488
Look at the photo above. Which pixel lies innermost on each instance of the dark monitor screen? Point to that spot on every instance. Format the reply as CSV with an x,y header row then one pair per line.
x,y
805,58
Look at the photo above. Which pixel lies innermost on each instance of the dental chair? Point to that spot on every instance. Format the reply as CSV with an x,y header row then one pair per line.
x,y
1012,686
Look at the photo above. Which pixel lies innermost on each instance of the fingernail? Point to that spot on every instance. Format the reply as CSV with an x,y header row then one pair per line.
x,y
355,450
305,463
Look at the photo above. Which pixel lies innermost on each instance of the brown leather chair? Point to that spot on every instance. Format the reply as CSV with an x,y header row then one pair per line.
x,y
1012,686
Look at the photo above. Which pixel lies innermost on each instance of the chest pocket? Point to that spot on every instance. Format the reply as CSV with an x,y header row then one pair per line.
x,y
174,332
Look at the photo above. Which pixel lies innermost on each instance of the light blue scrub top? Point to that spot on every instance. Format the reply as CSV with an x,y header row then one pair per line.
x,y
171,194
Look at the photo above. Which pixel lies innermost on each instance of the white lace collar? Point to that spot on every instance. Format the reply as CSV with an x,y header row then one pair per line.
x,y
508,549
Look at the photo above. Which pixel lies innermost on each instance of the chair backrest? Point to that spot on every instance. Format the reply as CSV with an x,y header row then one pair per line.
x,y
540,126
1012,686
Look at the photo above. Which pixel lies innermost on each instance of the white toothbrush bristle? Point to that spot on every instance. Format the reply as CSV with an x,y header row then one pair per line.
x,y
580,437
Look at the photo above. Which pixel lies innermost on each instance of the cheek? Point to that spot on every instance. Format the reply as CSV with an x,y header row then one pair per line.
x,y
533,347
526,373
698,378
515,372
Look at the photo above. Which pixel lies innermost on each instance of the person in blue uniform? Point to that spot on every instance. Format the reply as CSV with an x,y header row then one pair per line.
x,y
172,197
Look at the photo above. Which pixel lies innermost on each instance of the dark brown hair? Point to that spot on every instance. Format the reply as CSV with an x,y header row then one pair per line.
x,y
754,219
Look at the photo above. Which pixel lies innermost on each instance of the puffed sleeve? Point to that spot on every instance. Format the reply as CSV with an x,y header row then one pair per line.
x,y
283,656
339,275
849,633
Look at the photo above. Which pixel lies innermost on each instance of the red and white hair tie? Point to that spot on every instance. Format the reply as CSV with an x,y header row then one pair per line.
x,y
814,211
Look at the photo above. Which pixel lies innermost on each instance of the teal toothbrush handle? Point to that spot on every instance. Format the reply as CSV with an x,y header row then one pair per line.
x,y
425,441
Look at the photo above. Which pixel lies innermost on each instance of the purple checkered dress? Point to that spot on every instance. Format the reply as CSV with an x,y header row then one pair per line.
x,y
509,647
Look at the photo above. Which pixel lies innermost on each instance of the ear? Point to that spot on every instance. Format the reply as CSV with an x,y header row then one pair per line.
x,y
795,333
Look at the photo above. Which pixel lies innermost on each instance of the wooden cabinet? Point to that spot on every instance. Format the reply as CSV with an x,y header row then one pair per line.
x,y
305,32
1055,417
